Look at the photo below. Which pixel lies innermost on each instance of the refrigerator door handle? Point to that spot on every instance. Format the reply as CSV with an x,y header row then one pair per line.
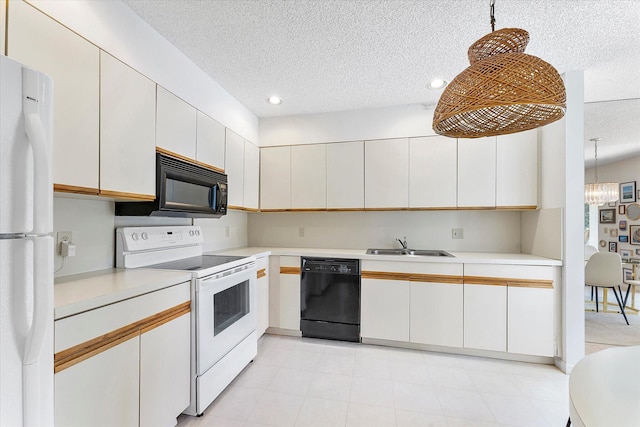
x,y
42,298
36,135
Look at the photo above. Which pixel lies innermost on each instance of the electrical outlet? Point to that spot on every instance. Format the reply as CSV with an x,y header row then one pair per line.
x,y
62,236
457,233
301,232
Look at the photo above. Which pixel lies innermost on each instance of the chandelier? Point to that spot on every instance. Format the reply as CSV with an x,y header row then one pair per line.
x,y
599,193
503,91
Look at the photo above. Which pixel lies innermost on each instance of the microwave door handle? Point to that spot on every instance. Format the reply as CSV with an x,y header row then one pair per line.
x,y
213,197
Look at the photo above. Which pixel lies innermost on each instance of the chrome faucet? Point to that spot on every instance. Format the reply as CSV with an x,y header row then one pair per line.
x,y
403,242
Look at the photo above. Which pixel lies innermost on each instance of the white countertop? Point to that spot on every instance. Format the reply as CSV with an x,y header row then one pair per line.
x,y
604,388
458,257
81,292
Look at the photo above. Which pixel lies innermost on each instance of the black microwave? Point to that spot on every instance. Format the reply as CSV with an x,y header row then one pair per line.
x,y
183,189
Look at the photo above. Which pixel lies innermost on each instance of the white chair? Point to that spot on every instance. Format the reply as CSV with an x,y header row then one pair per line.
x,y
589,250
604,270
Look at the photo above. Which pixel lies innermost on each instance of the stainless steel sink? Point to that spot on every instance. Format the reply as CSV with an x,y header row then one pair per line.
x,y
388,251
417,252
428,252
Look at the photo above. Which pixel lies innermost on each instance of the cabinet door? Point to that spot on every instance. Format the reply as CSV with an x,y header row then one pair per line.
x,y
251,175
210,137
531,321
345,175
433,172
485,317
234,161
175,124
262,265
477,172
386,173
102,390
436,314
309,176
290,293
74,64
517,170
275,178
384,309
127,130
165,360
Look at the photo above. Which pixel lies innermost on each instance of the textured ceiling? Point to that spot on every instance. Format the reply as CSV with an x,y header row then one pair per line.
x,y
335,55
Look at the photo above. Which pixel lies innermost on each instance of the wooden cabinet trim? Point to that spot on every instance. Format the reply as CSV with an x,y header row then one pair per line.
x,y
126,196
188,159
412,277
62,188
261,273
76,354
503,281
289,270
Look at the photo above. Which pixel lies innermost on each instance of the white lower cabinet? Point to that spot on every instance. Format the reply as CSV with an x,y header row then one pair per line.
x,y
262,265
385,309
288,294
485,317
384,301
125,364
100,391
510,308
164,372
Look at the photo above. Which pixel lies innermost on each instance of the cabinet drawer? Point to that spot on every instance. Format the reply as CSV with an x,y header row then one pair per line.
x,y
83,327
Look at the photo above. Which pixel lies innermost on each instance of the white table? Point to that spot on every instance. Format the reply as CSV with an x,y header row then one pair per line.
x,y
604,389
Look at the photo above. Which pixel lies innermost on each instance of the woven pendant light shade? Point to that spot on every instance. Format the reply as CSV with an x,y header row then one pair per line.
x,y
503,91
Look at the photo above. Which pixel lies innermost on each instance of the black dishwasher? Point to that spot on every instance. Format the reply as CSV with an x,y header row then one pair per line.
x,y
330,298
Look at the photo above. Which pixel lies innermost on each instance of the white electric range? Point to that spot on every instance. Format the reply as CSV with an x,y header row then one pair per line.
x,y
223,302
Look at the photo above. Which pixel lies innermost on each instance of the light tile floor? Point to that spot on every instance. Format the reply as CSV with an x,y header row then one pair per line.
x,y
307,382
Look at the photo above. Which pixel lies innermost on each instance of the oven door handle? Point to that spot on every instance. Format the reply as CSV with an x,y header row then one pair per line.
x,y
227,279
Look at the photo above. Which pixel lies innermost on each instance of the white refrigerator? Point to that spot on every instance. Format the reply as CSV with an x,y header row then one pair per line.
x,y
26,247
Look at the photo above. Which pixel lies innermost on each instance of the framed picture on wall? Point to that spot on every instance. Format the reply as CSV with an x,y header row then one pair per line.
x,y
628,192
625,253
637,251
622,209
627,274
607,216
634,234
623,239
623,225
613,232
613,205
613,246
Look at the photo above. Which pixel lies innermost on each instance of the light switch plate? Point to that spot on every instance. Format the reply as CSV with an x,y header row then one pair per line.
x,y
457,233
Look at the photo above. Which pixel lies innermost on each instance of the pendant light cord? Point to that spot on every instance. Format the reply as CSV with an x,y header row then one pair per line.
x,y
492,7
595,150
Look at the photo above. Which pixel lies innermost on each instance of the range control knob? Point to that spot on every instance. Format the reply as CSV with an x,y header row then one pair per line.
x,y
191,233
197,232
145,236
135,236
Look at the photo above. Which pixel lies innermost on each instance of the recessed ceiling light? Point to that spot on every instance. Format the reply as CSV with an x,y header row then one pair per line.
x,y
274,100
437,84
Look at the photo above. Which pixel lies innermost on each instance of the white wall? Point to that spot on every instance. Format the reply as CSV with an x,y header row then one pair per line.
x,y
380,123
483,231
113,27
91,222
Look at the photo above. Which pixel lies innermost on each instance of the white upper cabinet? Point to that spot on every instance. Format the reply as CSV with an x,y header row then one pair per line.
x,y
345,175
275,178
175,125
127,130
477,172
517,170
309,177
234,162
386,173
210,137
433,168
251,175
74,64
